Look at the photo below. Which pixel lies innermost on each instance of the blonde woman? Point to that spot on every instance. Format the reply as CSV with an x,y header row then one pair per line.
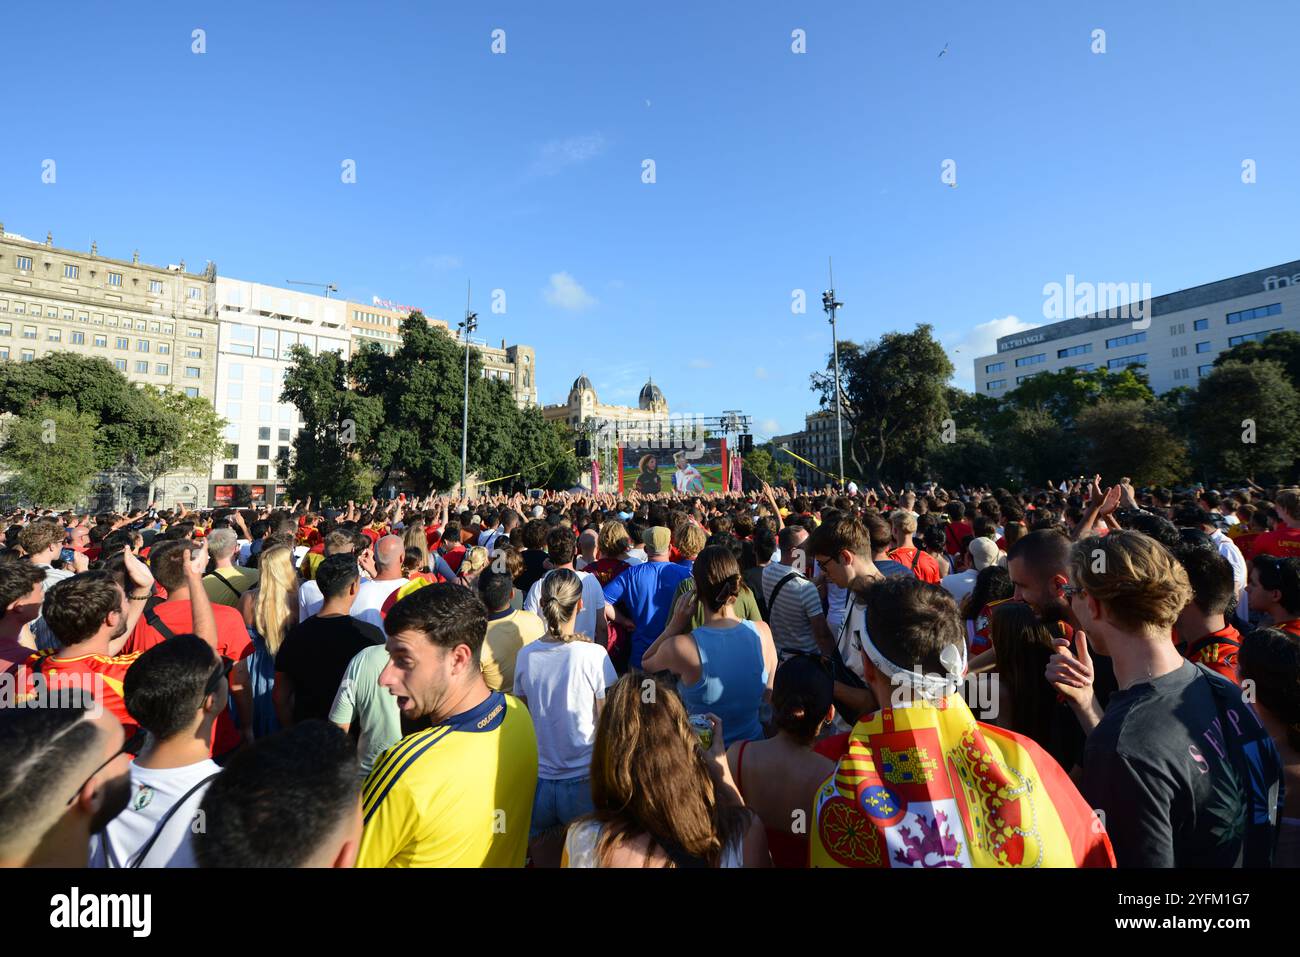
x,y
269,611
416,538
476,559
561,678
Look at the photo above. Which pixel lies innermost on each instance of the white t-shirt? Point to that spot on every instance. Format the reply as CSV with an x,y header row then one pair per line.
x,y
561,682
371,596
593,605
310,599
153,792
635,556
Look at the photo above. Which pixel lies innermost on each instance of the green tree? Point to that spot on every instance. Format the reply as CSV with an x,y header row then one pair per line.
x,y
895,400
544,452
1066,393
190,438
342,436
1245,422
970,459
51,451
1112,430
126,421
1281,347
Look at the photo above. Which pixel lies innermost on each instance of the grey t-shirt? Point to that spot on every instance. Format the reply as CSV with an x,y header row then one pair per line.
x,y
1168,768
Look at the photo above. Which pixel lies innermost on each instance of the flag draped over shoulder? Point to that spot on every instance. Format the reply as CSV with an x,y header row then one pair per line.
x,y
929,786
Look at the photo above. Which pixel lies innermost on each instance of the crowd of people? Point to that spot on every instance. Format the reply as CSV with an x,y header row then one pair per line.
x,y
1071,675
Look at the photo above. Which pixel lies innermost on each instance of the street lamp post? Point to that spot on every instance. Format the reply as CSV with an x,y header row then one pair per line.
x,y
469,325
829,305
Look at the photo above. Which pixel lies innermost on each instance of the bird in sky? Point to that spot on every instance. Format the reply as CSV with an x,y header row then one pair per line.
x,y
943,51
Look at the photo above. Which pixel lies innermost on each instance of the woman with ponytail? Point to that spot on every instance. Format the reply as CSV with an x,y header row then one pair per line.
x,y
561,678
725,665
1270,659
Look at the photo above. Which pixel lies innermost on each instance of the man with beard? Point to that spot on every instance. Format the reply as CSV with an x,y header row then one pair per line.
x,y
63,777
460,792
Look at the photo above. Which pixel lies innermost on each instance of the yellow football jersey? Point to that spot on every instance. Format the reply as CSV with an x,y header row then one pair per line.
x,y
459,794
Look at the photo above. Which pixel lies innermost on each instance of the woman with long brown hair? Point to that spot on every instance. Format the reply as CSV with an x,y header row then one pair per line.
x,y
660,798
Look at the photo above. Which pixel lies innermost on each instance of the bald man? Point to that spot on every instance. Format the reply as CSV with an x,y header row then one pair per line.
x,y
64,774
372,594
586,549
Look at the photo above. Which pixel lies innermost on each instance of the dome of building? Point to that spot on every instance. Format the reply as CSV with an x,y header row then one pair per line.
x,y
652,397
581,383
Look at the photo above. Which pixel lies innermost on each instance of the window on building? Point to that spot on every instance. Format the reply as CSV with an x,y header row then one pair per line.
x,y
995,384
29,332
141,366
192,392
284,435
282,452
1128,340
1203,371
155,286
1200,325
1182,374
230,471
122,343
1202,347
120,364
101,341
194,332
1177,328
78,338
162,368
28,355
232,450
1031,360
115,279
1251,337
142,345
53,335
235,390
243,340
194,292
193,352
6,329
24,262
264,434
1125,361
1074,351
1259,312
1178,351
70,271
164,348
263,471
4,352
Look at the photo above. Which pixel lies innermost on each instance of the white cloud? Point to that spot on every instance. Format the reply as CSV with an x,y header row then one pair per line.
x,y
565,292
700,364
980,340
760,373
558,155
770,427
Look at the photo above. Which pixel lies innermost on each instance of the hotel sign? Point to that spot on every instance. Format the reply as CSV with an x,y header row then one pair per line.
x,y
1019,341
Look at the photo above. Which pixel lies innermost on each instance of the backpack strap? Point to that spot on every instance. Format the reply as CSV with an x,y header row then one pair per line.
x,y
771,602
157,624
162,822
1208,640
225,581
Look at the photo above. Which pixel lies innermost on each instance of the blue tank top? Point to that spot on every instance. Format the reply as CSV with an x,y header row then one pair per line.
x,y
733,678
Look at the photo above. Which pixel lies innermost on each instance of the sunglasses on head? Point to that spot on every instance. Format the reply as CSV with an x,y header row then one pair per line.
x,y
132,746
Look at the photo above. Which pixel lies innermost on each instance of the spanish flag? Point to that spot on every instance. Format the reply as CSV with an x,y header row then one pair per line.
x,y
927,785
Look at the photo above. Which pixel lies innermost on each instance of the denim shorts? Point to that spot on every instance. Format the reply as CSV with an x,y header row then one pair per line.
x,y
559,802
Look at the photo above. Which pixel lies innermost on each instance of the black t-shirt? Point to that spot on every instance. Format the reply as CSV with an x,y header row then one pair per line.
x,y
754,582
534,568
1171,766
315,654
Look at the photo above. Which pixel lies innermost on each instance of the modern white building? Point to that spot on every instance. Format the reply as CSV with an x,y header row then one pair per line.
x,y
257,326
1175,339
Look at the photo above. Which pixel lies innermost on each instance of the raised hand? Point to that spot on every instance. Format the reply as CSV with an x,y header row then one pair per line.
x,y
1070,669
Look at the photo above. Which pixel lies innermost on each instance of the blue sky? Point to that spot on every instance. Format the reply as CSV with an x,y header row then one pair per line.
x,y
523,171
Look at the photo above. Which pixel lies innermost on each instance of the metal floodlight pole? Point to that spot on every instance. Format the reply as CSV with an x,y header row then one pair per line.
x,y
829,305
469,325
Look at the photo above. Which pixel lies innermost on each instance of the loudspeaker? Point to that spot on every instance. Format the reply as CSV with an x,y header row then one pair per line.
x,y
582,448
746,443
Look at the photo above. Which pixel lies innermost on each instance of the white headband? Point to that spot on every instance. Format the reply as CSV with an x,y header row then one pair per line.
x,y
930,687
